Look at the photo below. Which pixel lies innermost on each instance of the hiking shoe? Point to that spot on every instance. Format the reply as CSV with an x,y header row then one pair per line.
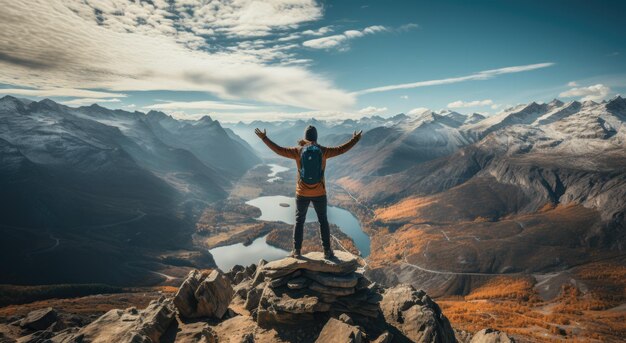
x,y
328,254
295,253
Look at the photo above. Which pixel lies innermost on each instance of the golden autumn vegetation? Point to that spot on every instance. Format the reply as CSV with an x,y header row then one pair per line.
x,y
511,304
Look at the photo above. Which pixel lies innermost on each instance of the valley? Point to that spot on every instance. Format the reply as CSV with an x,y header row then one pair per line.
x,y
514,221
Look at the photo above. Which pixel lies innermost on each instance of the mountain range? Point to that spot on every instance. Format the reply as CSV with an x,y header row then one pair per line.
x,y
536,188
97,185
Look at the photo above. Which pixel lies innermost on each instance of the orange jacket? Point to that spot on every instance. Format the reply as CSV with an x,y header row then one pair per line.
x,y
302,188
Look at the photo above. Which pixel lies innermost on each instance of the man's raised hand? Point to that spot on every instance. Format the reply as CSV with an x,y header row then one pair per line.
x,y
261,134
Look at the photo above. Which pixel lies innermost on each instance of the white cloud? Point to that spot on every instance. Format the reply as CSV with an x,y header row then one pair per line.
x,y
405,97
369,110
495,106
572,84
299,35
65,92
474,103
189,20
482,75
339,41
87,101
595,92
199,105
408,27
418,111
138,47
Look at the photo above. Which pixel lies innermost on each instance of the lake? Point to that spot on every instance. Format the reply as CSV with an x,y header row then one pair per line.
x,y
227,256
274,170
282,208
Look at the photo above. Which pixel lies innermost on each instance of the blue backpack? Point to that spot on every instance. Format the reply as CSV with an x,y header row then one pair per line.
x,y
311,164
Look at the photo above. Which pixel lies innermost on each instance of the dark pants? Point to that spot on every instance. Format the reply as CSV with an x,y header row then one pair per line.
x,y
302,205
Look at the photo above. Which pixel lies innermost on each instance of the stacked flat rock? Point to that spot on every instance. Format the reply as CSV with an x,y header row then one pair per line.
x,y
290,290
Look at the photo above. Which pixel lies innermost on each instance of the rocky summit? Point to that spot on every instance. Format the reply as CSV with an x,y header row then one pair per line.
x,y
299,289
305,299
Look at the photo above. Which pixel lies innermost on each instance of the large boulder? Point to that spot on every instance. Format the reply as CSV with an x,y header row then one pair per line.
x,y
126,326
342,263
415,316
39,319
491,336
202,295
298,289
194,332
339,332
283,306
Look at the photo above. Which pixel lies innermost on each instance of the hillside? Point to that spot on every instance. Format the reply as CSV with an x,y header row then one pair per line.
x,y
268,302
104,188
537,197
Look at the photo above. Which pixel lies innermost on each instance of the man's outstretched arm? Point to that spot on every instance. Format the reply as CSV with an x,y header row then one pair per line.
x,y
338,150
282,151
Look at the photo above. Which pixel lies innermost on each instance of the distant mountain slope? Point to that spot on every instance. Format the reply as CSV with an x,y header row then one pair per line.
x,y
288,133
543,188
206,139
93,186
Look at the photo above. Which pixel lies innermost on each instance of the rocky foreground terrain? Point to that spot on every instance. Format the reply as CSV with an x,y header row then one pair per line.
x,y
308,299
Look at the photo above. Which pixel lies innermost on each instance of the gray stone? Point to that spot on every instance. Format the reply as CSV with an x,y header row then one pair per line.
x,y
330,280
491,336
343,263
254,296
197,332
214,295
127,326
204,296
337,331
243,288
281,281
39,319
318,287
415,315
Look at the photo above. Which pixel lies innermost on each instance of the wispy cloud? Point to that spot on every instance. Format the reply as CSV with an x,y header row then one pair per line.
x,y
369,110
482,75
339,41
474,103
595,92
418,111
88,101
60,92
199,105
121,46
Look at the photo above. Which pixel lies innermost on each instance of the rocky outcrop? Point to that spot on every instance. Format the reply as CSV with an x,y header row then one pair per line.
x,y
308,299
291,290
203,295
340,332
126,326
491,336
415,316
39,319
239,273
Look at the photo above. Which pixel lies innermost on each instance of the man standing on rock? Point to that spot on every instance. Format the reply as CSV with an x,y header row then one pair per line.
x,y
310,188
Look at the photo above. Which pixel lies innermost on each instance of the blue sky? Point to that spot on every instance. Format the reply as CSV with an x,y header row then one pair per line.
x,y
278,59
